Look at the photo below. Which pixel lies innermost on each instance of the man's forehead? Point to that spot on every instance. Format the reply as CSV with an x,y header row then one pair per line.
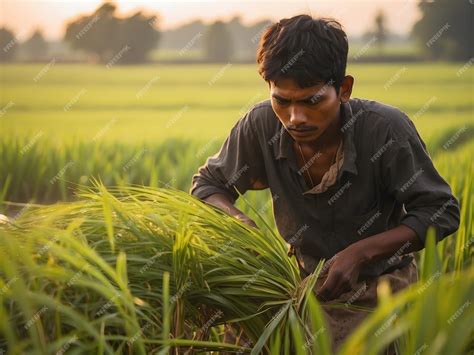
x,y
291,91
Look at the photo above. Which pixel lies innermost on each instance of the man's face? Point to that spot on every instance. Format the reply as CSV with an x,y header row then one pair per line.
x,y
307,112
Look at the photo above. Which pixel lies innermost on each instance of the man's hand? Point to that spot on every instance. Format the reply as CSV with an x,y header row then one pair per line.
x,y
345,266
223,203
246,219
342,273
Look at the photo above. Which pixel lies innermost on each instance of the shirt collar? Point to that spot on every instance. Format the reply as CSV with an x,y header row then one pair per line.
x,y
283,148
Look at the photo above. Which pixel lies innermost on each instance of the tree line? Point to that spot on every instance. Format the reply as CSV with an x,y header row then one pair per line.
x,y
442,33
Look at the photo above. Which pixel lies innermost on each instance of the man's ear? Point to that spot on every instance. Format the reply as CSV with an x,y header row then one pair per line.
x,y
345,90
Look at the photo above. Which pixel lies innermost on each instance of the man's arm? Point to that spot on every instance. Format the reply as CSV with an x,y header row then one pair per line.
x,y
411,178
238,165
222,202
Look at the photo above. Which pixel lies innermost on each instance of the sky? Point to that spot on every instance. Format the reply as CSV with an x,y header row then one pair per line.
x,y
24,16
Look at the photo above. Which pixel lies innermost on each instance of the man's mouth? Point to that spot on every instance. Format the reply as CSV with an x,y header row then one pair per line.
x,y
303,130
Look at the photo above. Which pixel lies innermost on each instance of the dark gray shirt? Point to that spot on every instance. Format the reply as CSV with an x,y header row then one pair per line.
x,y
387,178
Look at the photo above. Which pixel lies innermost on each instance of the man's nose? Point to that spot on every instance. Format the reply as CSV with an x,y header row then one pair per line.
x,y
297,117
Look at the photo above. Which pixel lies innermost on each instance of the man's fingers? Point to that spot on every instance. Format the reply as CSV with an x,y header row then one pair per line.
x,y
325,295
327,289
250,223
327,265
247,220
335,285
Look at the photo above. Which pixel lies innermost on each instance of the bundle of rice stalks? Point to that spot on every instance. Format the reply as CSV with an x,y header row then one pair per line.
x,y
96,271
140,270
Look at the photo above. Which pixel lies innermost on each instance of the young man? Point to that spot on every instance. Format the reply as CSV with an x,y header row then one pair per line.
x,y
355,183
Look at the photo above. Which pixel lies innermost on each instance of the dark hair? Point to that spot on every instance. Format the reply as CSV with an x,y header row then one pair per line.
x,y
309,51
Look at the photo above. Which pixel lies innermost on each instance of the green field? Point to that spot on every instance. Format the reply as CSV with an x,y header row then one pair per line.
x,y
176,101
115,264
155,125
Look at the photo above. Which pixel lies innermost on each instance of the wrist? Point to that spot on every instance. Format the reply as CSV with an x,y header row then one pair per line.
x,y
361,252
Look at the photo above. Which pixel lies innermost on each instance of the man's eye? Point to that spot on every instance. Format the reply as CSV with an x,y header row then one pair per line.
x,y
281,102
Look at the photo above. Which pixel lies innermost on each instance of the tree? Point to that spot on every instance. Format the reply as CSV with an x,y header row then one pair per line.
x,y
380,30
35,47
122,40
138,31
218,44
445,28
94,33
8,45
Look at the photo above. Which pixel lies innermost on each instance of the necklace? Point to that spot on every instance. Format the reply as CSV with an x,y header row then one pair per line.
x,y
305,163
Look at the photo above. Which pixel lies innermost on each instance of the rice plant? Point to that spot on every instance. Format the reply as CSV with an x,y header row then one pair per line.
x,y
141,270
96,268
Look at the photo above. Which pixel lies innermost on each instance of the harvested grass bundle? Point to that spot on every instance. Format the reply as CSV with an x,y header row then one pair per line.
x,y
139,270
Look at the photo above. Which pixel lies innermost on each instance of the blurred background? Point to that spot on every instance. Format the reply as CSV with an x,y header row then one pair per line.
x,y
220,31
135,92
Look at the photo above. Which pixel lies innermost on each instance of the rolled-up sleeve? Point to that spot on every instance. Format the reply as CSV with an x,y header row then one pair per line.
x,y
411,178
238,164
